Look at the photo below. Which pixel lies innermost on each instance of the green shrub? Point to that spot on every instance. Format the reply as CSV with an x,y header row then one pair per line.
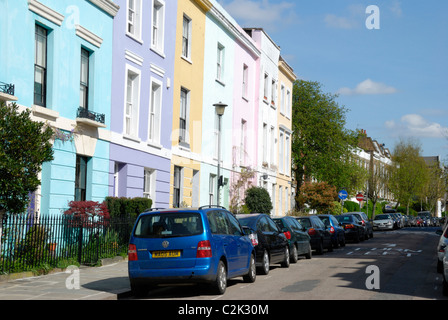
x,y
258,200
127,206
351,206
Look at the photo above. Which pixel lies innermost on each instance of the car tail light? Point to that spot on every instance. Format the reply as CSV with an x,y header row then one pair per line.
x,y
331,230
349,226
311,231
132,253
254,239
204,249
363,222
287,234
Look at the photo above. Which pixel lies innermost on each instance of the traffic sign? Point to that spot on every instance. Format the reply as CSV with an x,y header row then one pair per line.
x,y
342,194
359,197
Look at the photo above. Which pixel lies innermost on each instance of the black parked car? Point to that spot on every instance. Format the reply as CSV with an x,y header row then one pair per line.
x,y
336,231
273,246
299,240
354,230
320,235
367,224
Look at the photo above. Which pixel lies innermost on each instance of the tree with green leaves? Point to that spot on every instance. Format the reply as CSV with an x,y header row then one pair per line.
x,y
321,145
24,146
258,200
409,173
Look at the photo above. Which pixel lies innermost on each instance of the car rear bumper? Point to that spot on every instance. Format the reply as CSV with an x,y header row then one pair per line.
x,y
175,275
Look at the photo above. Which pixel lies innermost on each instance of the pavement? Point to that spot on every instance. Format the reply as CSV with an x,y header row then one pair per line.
x,y
107,282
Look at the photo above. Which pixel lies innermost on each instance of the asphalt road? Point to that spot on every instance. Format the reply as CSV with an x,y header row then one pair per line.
x,y
393,265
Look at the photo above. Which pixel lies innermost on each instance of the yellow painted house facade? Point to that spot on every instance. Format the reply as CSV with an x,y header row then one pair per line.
x,y
187,105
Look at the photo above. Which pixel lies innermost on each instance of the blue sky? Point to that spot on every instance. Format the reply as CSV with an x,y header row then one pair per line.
x,y
393,80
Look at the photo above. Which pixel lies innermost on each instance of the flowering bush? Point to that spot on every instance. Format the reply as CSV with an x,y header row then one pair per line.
x,y
87,209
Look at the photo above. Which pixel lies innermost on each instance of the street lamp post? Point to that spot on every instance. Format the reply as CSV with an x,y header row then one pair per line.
x,y
219,108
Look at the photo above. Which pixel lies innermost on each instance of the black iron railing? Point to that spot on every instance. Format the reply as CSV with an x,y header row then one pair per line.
x,y
30,242
87,114
7,88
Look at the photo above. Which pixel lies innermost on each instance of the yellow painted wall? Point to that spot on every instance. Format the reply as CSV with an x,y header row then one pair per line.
x,y
189,74
286,77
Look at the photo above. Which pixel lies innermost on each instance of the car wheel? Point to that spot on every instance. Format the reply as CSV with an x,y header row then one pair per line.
x,y
439,266
265,263
343,241
295,254
252,274
445,288
330,246
286,261
219,286
357,238
320,248
309,255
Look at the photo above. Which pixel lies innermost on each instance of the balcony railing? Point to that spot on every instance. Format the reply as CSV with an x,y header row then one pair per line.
x,y
86,114
7,88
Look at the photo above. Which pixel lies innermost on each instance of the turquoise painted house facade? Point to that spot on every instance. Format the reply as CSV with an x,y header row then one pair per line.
x,y
58,55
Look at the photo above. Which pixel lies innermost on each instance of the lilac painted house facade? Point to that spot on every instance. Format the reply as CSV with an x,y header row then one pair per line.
x,y
142,100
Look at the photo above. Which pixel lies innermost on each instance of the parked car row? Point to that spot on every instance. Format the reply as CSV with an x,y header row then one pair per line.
x,y
442,256
211,245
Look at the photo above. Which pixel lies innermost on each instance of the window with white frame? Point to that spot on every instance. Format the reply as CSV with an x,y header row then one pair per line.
x,y
245,80
220,62
149,183
212,189
288,103
186,37
265,142
282,99
288,154
134,18
84,79
281,152
272,158
177,186
243,142
273,92
286,199
132,102
184,112
280,200
155,108
158,25
40,66
266,86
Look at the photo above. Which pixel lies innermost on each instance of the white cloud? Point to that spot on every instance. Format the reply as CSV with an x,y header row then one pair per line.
x,y
368,87
396,8
263,14
414,125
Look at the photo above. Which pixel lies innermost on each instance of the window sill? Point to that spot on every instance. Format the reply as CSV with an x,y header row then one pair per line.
x,y
131,138
44,112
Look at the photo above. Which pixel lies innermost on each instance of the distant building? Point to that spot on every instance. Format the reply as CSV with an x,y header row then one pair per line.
x,y
377,160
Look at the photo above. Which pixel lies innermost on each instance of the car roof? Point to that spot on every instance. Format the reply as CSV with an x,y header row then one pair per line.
x,y
186,209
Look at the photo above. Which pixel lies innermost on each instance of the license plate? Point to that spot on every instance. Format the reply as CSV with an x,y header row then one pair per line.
x,y
166,254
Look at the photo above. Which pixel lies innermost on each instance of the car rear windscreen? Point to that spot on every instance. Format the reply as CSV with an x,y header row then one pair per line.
x,y
166,225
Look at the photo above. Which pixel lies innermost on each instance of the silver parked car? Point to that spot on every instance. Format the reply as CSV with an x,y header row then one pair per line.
x,y
445,273
442,247
383,222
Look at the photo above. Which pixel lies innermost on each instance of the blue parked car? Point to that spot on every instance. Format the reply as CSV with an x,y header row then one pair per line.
x,y
336,230
204,245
